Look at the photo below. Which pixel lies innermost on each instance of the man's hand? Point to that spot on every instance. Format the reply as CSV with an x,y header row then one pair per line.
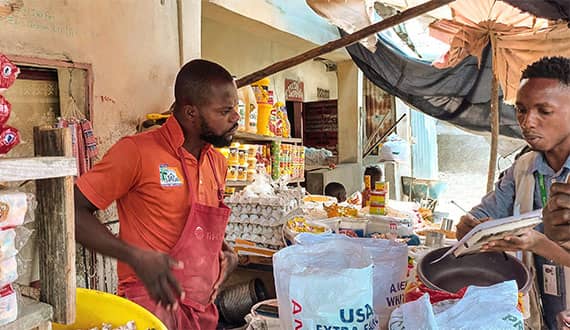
x,y
564,320
529,240
154,270
556,215
228,262
466,223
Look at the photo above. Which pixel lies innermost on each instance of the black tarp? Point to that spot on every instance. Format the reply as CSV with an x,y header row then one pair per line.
x,y
460,95
551,9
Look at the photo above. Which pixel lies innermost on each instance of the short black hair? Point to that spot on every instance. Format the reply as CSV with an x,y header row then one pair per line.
x,y
556,67
333,188
373,171
194,80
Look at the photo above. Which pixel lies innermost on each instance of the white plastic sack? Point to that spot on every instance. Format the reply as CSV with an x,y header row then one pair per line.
x,y
8,305
7,243
395,149
13,208
493,307
390,260
8,271
323,287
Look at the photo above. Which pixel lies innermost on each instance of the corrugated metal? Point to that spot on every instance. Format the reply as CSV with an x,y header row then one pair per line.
x,y
380,109
424,150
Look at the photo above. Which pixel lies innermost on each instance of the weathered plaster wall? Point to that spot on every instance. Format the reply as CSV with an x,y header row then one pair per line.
x,y
132,46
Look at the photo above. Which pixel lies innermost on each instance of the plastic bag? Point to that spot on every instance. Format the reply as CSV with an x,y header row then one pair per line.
x,y
13,240
395,149
8,305
390,261
14,208
8,271
7,244
493,307
325,285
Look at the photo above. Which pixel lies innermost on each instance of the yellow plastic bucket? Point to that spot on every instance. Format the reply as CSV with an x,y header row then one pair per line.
x,y
263,116
95,308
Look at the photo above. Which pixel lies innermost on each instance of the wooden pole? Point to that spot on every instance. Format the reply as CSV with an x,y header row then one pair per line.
x,y
55,223
494,133
388,132
342,42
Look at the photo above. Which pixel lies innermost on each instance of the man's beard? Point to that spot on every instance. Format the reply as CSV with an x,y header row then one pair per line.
x,y
218,141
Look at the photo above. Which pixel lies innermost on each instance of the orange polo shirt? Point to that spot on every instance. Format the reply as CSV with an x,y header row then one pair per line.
x,y
144,175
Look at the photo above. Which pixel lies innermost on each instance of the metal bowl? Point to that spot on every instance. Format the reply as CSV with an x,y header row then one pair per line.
x,y
480,269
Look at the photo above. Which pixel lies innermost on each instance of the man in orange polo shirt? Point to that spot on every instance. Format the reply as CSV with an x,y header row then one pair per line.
x,y
168,184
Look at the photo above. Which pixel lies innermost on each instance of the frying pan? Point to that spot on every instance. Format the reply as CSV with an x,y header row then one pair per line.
x,y
480,269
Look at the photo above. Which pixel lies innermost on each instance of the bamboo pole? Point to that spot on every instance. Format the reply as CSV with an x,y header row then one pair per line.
x,y
494,133
342,42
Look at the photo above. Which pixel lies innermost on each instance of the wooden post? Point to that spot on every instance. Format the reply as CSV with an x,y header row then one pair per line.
x,y
494,133
343,42
55,223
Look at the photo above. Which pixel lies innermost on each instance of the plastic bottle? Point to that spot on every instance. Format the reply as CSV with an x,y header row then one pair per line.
x,y
241,109
367,191
251,111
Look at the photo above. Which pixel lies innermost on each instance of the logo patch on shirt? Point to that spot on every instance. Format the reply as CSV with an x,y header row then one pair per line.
x,y
169,176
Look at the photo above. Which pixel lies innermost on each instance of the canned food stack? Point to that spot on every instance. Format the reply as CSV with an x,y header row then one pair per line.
x,y
292,161
242,161
378,198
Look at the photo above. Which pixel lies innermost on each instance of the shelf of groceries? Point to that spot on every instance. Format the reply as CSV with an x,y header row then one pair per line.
x,y
263,143
253,137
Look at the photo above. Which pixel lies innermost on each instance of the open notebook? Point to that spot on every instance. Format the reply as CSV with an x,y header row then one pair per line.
x,y
493,230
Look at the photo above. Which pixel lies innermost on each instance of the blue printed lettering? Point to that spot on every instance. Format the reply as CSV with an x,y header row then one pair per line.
x,y
395,300
343,318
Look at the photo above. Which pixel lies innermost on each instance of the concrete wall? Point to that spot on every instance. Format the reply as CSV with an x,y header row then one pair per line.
x,y
350,175
349,105
132,45
294,17
242,50
464,163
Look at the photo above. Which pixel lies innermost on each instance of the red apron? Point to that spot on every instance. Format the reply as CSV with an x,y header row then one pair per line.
x,y
199,248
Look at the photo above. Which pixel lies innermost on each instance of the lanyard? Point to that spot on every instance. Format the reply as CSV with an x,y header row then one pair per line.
x,y
543,194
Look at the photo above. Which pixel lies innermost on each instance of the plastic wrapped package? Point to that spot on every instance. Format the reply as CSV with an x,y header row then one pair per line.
x,y
492,307
14,207
8,271
325,286
390,261
8,304
5,110
7,243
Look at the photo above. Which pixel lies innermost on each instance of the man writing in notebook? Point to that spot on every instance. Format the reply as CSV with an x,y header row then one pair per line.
x,y
543,113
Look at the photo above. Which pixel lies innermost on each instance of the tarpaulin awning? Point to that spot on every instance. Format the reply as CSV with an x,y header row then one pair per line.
x,y
460,95
551,9
517,38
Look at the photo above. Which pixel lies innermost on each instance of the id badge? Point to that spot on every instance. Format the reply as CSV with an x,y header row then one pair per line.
x,y
550,277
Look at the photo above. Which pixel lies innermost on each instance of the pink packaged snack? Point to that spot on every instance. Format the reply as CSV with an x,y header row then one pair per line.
x,y
8,305
8,73
9,138
5,110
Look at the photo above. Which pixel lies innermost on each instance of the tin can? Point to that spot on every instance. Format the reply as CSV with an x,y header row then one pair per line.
x,y
367,184
232,172
377,198
378,210
242,173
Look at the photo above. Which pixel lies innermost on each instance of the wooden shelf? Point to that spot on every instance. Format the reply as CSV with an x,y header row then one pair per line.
x,y
22,169
237,183
31,315
255,263
262,138
245,183
310,168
